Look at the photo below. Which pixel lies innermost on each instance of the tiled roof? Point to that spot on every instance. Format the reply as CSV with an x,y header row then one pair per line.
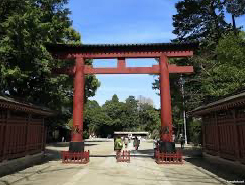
x,y
144,46
228,102
11,103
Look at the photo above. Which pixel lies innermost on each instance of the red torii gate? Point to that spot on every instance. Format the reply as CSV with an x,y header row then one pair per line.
x,y
162,51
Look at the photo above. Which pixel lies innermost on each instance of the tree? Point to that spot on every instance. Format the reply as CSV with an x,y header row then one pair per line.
x,y
200,20
228,75
217,62
95,119
26,66
131,113
192,22
236,8
114,109
120,116
115,99
195,131
149,119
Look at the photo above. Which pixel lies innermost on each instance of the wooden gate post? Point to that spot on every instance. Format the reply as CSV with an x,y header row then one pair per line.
x,y
166,116
77,145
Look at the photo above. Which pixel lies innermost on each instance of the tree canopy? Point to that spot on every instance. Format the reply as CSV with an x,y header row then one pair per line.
x,y
217,62
214,75
25,64
114,115
200,20
205,20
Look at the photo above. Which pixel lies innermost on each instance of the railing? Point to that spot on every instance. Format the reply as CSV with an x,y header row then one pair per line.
x,y
169,158
123,156
75,157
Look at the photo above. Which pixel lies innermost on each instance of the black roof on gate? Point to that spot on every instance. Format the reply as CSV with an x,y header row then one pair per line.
x,y
174,46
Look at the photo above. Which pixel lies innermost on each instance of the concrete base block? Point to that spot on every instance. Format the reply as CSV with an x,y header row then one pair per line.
x,y
76,147
167,147
14,165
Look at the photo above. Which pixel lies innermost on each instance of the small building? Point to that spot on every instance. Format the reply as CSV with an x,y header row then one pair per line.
x,y
22,130
223,127
144,135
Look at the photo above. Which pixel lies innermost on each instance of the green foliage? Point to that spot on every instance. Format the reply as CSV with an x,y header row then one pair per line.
x,y
115,110
149,118
235,7
131,118
195,131
25,64
119,116
70,123
227,74
218,62
85,134
115,99
218,72
200,20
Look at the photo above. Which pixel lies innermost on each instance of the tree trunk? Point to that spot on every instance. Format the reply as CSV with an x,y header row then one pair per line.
x,y
234,24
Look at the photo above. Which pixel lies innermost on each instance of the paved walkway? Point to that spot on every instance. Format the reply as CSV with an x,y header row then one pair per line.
x,y
104,170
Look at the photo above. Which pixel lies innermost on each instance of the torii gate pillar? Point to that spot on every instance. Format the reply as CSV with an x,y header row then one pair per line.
x,y
166,116
77,144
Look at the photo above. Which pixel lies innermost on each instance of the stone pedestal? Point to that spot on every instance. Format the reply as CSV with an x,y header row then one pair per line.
x,y
76,147
167,147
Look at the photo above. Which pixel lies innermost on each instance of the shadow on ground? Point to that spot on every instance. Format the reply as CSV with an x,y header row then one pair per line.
x,y
54,154
102,156
133,153
59,144
191,152
95,141
66,144
146,152
194,156
219,169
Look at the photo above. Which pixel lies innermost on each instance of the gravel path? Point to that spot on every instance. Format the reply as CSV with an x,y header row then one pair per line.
x,y
104,170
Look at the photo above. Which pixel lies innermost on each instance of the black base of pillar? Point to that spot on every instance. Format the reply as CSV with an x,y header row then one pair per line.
x,y
166,147
76,147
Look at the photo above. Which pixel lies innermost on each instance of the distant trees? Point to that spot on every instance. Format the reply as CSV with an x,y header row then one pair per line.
x,y
114,115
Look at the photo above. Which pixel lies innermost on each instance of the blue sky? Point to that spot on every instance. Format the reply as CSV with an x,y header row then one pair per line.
x,y
125,21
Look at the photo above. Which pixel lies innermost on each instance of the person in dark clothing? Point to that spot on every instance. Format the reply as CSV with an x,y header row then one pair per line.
x,y
182,142
136,143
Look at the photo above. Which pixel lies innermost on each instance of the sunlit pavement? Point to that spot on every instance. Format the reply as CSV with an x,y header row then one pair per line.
x,y
104,170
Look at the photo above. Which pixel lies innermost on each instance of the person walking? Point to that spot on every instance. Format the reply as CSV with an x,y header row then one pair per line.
x,y
182,142
136,143
126,142
118,144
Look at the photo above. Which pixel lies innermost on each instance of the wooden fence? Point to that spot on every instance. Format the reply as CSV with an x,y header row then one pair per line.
x,y
224,133
20,135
